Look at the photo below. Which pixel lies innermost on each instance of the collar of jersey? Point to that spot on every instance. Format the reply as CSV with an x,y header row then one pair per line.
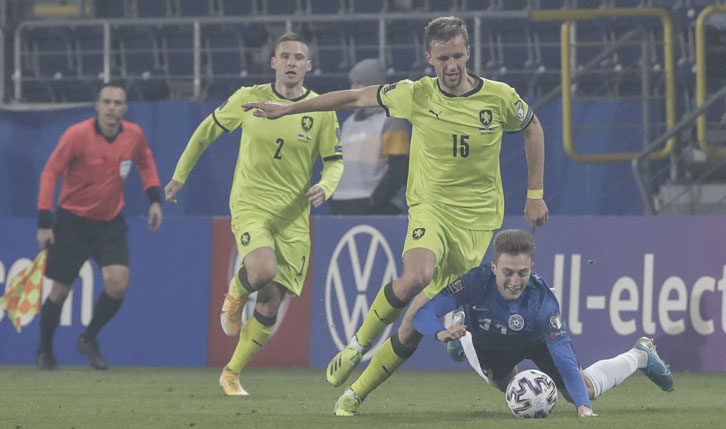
x,y
99,132
476,89
278,95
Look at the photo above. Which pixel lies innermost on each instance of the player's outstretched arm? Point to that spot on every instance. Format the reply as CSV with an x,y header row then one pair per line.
x,y
336,100
535,209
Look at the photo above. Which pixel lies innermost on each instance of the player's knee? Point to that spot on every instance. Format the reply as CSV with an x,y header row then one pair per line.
x,y
59,293
415,281
261,275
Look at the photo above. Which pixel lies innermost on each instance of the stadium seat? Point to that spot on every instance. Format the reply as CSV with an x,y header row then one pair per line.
x,y
54,51
224,51
405,47
363,39
325,6
177,45
438,5
195,8
329,49
152,8
237,7
281,7
109,9
138,50
88,47
368,6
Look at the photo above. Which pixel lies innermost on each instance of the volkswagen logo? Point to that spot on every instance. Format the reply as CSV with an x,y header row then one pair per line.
x,y
362,263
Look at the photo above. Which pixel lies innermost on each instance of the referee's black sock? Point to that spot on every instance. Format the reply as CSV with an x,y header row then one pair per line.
x,y
103,311
49,319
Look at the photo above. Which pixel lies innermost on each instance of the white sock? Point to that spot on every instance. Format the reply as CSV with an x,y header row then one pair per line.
x,y
356,345
608,373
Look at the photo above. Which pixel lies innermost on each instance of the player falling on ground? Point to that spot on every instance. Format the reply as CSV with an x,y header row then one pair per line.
x,y
454,189
514,316
270,198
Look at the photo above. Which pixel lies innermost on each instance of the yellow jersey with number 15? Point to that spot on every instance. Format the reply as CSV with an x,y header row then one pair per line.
x,y
455,145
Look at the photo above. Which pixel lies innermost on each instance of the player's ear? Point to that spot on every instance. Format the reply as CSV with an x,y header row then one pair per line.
x,y
494,266
308,65
273,63
429,59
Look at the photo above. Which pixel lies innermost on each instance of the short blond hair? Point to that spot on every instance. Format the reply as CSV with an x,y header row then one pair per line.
x,y
513,242
443,29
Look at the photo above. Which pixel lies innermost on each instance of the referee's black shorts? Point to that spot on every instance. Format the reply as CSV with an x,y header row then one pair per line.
x,y
78,238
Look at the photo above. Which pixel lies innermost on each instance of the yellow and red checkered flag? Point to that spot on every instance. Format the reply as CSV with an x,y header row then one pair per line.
x,y
23,296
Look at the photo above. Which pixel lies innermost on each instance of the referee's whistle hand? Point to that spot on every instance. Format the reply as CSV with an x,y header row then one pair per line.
x,y
171,189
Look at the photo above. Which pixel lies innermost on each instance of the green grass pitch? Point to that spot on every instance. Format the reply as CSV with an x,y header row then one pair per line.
x,y
80,397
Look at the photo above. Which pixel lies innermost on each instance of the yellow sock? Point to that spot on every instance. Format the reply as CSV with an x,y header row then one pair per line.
x,y
386,308
384,362
253,336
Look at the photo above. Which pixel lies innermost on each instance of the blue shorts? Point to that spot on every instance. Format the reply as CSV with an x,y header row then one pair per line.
x,y
498,364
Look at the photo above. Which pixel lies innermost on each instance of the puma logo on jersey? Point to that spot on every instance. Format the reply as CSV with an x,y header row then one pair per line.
x,y
434,113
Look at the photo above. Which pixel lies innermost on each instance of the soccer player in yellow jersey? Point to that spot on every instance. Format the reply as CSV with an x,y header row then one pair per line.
x,y
270,198
454,191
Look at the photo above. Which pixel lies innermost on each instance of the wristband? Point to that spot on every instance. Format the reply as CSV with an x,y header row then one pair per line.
x,y
535,194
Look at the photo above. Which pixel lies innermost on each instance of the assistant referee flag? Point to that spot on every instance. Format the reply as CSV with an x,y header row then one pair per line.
x,y
23,295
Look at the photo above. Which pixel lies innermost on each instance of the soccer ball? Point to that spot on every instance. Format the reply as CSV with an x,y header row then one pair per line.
x,y
531,394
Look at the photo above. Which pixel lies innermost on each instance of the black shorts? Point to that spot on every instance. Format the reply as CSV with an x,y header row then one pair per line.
x,y
499,364
78,238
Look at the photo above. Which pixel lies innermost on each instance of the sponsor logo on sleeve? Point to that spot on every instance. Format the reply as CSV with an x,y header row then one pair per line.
x,y
418,233
558,328
389,87
456,285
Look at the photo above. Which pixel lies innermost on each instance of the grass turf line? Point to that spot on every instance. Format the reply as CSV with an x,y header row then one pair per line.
x,y
81,397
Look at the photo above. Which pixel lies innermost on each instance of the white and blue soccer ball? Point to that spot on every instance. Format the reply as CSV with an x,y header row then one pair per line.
x,y
531,394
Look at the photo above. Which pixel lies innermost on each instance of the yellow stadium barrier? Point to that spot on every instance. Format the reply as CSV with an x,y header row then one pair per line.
x,y
701,80
569,17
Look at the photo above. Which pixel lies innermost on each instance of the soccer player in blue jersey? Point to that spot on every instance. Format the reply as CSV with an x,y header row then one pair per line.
x,y
514,316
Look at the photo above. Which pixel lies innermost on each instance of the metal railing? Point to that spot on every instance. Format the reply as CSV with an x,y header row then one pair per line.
x,y
571,16
701,80
637,163
289,21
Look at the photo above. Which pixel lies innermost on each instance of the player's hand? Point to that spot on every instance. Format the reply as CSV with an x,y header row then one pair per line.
x,y
452,333
585,411
536,212
316,195
171,189
155,216
267,109
45,237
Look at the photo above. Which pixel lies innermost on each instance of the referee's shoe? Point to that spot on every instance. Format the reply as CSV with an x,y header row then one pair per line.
x,y
90,349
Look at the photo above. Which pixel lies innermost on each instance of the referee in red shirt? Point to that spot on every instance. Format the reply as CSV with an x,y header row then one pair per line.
x,y
94,156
